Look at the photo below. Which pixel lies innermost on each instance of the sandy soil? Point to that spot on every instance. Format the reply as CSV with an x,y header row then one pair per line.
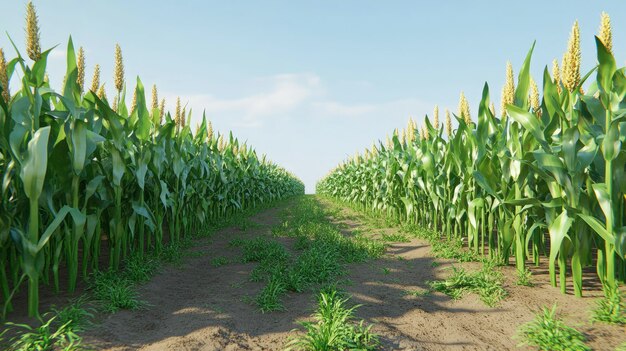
x,y
202,307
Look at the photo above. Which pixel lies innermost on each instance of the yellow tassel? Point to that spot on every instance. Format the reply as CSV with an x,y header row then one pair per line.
x,y
33,44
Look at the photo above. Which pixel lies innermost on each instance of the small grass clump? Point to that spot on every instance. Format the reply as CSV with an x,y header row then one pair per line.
x,y
114,292
610,309
524,278
487,283
452,250
269,299
219,261
140,268
75,316
418,293
45,337
395,238
548,332
334,328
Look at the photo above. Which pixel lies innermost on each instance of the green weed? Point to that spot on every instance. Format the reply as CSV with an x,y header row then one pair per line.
x,y
487,283
548,332
114,292
44,337
524,278
334,328
219,261
610,309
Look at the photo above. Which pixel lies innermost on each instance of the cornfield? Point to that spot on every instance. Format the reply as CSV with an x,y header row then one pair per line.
x,y
545,178
85,176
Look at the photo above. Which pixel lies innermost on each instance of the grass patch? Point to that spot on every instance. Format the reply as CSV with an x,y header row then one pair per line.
x,y
487,283
548,332
140,269
334,328
452,250
418,293
75,316
396,238
322,252
611,308
113,291
47,336
269,299
219,261
524,278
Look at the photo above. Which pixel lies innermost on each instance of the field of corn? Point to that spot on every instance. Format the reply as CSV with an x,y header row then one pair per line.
x,y
116,205
86,176
543,178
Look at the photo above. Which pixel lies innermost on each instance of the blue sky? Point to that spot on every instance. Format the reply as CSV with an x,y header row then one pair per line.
x,y
309,83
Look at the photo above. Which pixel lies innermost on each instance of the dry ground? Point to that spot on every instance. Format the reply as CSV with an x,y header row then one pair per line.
x,y
202,307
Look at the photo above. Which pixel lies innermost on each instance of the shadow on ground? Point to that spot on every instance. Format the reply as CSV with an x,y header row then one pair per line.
x,y
203,307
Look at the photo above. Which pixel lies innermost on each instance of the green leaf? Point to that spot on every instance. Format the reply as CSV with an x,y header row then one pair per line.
x,y
78,217
33,172
523,81
530,122
71,90
597,226
146,214
606,68
558,232
611,145
620,242
78,145
118,166
570,139
604,199
144,122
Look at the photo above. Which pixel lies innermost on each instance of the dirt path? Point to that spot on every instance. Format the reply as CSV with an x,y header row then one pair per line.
x,y
203,306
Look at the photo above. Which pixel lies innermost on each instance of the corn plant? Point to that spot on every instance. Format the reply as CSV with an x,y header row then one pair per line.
x,y
545,178
82,174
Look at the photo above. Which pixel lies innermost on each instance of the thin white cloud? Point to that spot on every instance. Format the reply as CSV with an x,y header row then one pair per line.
x,y
277,95
290,96
398,107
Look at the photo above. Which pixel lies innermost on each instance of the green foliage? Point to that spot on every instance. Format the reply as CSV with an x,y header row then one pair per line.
x,y
395,238
497,183
113,292
487,283
453,250
79,169
321,253
610,309
334,328
140,268
45,337
524,278
76,316
269,299
419,293
219,261
548,332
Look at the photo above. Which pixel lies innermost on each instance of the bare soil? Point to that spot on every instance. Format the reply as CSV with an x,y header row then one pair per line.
x,y
202,307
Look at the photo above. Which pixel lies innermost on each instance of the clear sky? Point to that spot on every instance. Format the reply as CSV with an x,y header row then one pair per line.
x,y
309,83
